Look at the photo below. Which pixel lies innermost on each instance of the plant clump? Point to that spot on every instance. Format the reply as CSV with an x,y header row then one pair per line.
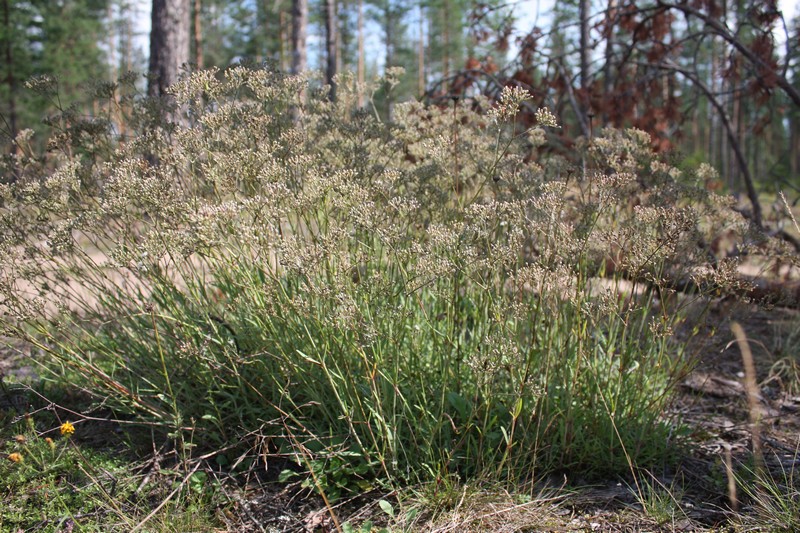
x,y
382,302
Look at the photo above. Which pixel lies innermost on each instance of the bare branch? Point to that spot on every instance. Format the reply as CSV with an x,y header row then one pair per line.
x,y
720,29
734,141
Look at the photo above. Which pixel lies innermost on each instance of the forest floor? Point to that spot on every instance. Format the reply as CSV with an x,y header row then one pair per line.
x,y
701,494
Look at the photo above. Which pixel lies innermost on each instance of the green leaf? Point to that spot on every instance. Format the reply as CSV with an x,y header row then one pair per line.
x,y
386,507
517,408
460,404
286,475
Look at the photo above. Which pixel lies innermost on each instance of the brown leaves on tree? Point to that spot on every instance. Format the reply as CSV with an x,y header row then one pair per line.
x,y
657,51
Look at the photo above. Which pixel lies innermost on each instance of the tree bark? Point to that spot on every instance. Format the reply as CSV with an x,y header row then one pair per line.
x,y
11,81
361,73
284,59
421,54
112,42
198,34
794,146
169,43
608,82
583,15
330,46
299,30
341,36
714,154
389,29
446,39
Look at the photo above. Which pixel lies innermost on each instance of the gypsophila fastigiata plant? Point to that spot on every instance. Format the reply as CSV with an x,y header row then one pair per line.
x,y
382,302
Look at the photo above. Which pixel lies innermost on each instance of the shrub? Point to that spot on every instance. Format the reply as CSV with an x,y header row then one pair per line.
x,y
383,302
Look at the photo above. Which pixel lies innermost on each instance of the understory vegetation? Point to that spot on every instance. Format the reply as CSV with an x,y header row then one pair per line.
x,y
263,277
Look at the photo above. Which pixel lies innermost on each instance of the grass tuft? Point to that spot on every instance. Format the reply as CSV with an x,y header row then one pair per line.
x,y
374,304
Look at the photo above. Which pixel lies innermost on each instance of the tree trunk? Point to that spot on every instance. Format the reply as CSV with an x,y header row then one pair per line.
x,y
361,73
169,43
330,46
421,54
794,147
446,39
341,37
113,73
284,58
198,34
11,81
299,28
112,44
583,14
389,30
736,122
608,82
714,156
126,61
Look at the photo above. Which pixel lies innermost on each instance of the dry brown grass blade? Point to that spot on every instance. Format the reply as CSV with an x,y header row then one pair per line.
x,y
727,459
751,387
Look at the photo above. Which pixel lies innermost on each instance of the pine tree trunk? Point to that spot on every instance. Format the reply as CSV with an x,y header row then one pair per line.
x,y
389,30
126,49
446,39
341,37
299,30
421,55
714,156
361,73
330,46
738,127
128,57
608,82
115,112
583,13
198,34
112,44
794,147
169,44
284,58
10,79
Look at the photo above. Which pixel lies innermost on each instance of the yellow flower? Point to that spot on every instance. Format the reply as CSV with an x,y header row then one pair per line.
x,y
20,439
50,443
15,457
67,429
